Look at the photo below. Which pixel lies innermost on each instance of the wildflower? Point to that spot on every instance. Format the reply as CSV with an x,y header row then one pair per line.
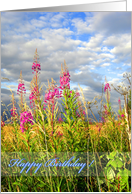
x,y
77,94
13,111
32,96
52,94
105,106
99,129
2,124
60,120
103,120
36,67
35,93
20,91
44,107
84,112
77,114
64,80
119,100
122,115
25,118
90,122
21,88
59,134
106,112
51,133
106,87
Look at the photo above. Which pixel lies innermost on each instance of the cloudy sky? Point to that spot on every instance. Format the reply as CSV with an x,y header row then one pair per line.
x,y
93,44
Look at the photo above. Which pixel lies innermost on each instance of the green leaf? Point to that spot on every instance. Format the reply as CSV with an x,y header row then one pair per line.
x,y
110,173
111,156
70,133
110,163
102,156
16,183
124,172
117,163
41,185
25,143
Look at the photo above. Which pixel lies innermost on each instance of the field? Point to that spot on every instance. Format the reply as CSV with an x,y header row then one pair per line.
x,y
41,130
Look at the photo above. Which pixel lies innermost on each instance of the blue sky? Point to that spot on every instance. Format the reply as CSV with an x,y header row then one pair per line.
x,y
93,44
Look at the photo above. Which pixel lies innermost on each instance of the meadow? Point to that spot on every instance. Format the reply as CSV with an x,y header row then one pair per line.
x,y
41,130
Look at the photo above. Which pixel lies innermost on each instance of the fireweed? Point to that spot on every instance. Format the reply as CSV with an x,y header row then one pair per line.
x,y
36,68
21,91
50,99
14,115
34,97
25,119
70,96
107,107
2,124
120,111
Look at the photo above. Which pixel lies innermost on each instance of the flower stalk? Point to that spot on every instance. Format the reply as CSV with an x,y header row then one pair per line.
x,y
21,91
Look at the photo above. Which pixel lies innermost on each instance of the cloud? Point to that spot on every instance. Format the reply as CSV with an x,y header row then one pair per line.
x,y
105,65
87,41
108,22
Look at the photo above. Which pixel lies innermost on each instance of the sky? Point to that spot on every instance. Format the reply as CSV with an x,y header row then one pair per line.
x,y
93,44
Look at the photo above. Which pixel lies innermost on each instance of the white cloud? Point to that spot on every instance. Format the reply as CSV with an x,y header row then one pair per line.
x,y
105,49
103,22
120,75
94,43
129,64
105,65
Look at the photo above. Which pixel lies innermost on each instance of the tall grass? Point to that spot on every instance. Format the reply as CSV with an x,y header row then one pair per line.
x,y
74,133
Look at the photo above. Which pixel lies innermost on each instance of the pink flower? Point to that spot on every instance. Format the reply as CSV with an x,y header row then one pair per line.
x,y
52,94
13,111
64,80
25,118
32,96
60,120
106,87
59,134
77,114
90,122
103,120
106,112
119,100
99,129
36,67
122,115
77,94
84,112
105,106
2,123
21,89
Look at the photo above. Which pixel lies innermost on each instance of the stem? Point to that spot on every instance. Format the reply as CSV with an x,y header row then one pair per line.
x,y
127,127
52,122
96,169
93,115
87,164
